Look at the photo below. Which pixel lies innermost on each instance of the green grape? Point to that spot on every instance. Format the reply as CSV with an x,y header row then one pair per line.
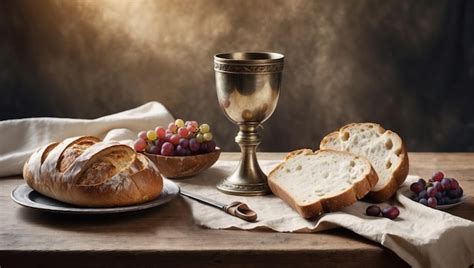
x,y
179,123
151,135
199,137
207,136
204,128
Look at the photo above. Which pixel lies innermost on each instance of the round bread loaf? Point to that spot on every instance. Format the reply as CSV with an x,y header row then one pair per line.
x,y
86,171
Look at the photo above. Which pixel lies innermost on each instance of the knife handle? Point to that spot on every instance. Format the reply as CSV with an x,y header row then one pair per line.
x,y
240,210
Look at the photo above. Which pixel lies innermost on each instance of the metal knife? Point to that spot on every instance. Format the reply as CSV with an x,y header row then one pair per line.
x,y
236,209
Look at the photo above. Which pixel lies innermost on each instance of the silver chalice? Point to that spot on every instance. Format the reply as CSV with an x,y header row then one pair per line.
x,y
248,87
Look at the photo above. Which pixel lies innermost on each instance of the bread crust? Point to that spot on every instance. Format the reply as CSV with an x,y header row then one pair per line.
x,y
398,175
131,178
330,204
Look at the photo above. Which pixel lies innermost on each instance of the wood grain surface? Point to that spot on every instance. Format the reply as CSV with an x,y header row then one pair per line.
x,y
166,235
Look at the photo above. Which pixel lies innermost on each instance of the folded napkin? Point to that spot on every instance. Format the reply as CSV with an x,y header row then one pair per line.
x,y
421,236
22,136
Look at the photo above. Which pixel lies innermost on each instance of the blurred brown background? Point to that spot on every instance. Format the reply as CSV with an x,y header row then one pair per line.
x,y
408,65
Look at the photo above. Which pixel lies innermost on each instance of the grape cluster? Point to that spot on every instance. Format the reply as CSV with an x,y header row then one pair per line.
x,y
437,191
388,212
178,139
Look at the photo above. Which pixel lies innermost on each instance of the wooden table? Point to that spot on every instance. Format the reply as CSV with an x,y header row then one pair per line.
x,y
167,236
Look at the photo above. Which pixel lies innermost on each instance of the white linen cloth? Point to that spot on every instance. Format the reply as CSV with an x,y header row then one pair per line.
x,y
421,236
20,137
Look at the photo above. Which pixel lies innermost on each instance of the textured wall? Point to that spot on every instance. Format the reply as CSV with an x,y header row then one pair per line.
x,y
408,65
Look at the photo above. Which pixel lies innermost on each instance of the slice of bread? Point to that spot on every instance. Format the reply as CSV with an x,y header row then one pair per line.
x,y
383,148
321,181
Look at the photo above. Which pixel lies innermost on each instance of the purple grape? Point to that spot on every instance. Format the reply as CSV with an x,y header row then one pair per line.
x,y
454,184
432,202
440,201
148,148
203,148
211,146
422,182
423,194
446,183
154,149
455,193
438,186
431,191
445,200
187,152
390,212
193,145
168,136
416,187
373,211
180,150
167,149
184,142
416,198
423,201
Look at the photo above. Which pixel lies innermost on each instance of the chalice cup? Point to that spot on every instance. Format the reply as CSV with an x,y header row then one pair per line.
x,y
248,87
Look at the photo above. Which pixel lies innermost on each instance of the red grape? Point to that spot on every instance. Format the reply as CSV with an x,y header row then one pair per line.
x,y
160,132
183,132
390,212
172,127
139,145
142,135
194,124
191,129
438,176
168,136
175,139
167,149
373,211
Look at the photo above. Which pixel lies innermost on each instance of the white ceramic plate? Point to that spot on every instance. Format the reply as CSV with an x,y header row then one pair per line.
x,y
28,197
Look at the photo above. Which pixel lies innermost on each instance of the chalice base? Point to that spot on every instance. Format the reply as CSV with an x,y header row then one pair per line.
x,y
247,181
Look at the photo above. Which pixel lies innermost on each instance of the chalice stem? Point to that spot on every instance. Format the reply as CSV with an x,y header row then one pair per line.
x,y
248,140
248,178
